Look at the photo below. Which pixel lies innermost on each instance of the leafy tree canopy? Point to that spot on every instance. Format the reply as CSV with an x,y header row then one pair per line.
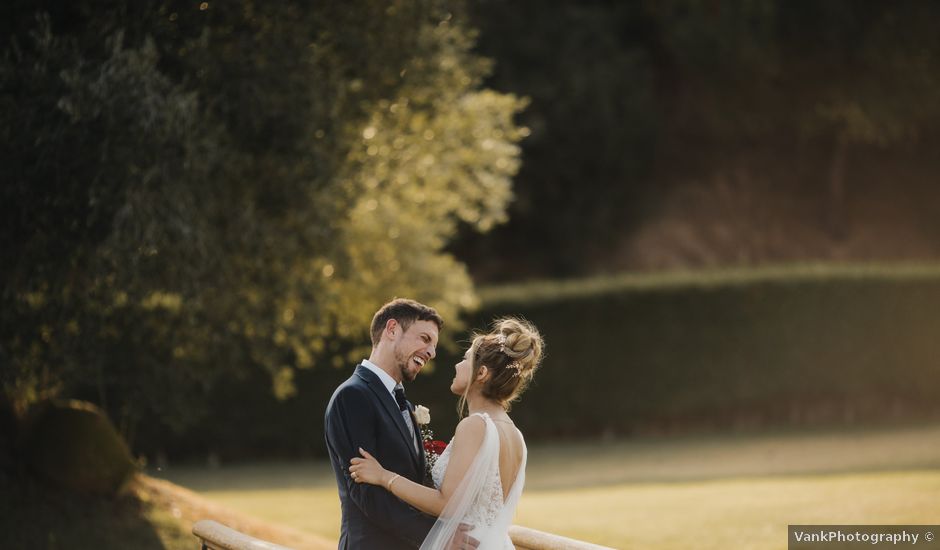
x,y
198,189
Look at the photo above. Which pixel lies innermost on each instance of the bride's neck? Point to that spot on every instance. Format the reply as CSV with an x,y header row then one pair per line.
x,y
476,403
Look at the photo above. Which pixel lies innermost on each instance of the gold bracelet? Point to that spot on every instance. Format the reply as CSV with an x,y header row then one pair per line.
x,y
389,486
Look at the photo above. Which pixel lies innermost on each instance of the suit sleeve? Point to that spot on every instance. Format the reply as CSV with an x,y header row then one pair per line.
x,y
350,424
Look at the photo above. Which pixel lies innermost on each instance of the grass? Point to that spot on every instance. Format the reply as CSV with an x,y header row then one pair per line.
x,y
722,491
731,513
148,514
301,495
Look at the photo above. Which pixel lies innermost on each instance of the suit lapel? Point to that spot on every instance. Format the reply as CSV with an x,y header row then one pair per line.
x,y
414,422
411,440
419,455
390,406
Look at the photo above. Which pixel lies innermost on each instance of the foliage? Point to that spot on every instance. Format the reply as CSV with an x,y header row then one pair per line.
x,y
808,345
205,190
74,445
630,99
594,122
757,69
784,346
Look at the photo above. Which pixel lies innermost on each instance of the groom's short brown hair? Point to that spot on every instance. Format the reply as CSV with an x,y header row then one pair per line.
x,y
406,312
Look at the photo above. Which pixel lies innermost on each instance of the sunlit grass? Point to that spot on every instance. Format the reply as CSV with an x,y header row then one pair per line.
x,y
172,534
312,510
661,493
301,495
735,513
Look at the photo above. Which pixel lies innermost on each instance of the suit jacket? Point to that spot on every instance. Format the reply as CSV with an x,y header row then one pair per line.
x,y
362,413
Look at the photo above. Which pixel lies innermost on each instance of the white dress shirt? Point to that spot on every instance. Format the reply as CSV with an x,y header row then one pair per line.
x,y
390,384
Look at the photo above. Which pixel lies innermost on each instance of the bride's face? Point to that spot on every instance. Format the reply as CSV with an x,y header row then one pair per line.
x,y
463,370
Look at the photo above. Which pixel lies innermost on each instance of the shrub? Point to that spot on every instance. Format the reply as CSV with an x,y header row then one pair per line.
x,y
73,444
803,345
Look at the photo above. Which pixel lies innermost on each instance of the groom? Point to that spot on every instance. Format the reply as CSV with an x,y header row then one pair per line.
x,y
370,411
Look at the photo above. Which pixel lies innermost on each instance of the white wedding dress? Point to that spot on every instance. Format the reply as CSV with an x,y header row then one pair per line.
x,y
478,501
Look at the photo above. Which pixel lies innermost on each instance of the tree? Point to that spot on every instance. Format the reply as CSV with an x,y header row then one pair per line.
x,y
593,132
631,100
834,75
198,190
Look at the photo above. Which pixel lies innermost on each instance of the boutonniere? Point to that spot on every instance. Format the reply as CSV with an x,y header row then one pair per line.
x,y
432,447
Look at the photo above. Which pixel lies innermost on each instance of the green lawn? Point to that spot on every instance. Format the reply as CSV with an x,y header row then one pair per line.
x,y
727,491
732,513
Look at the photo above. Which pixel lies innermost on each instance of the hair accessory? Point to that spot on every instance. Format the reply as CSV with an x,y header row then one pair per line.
x,y
515,364
501,338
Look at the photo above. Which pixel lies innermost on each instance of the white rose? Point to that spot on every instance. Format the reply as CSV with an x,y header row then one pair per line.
x,y
422,415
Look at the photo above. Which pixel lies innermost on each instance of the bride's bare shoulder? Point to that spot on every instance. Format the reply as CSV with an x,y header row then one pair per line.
x,y
472,423
470,429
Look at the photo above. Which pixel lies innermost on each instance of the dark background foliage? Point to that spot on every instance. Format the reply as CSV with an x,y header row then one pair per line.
x,y
641,107
629,355
202,203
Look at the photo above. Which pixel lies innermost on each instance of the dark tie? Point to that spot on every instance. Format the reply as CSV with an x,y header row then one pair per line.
x,y
400,397
403,406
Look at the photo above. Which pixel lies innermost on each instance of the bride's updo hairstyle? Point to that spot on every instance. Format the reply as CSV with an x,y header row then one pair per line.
x,y
511,351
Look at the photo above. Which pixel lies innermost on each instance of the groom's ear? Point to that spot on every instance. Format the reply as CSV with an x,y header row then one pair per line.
x,y
391,326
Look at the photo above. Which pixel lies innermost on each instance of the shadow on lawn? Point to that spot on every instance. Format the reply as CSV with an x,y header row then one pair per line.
x,y
38,516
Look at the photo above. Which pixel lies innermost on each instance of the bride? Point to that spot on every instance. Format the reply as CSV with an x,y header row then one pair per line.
x,y
479,477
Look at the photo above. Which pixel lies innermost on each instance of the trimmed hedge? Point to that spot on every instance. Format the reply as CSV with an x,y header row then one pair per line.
x,y
693,351
655,354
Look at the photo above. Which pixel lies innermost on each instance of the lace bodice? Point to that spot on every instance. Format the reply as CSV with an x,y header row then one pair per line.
x,y
489,502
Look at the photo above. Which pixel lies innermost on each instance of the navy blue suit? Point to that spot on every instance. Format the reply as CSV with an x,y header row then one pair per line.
x,y
362,413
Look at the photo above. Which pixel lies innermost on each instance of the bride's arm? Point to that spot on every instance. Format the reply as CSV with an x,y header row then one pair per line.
x,y
467,440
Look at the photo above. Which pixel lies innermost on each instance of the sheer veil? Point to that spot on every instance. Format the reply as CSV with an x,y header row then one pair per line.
x,y
471,493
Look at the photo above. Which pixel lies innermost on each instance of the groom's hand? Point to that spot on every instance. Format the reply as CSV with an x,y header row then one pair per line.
x,y
463,541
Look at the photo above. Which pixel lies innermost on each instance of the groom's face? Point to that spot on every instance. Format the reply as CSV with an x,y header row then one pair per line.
x,y
415,347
